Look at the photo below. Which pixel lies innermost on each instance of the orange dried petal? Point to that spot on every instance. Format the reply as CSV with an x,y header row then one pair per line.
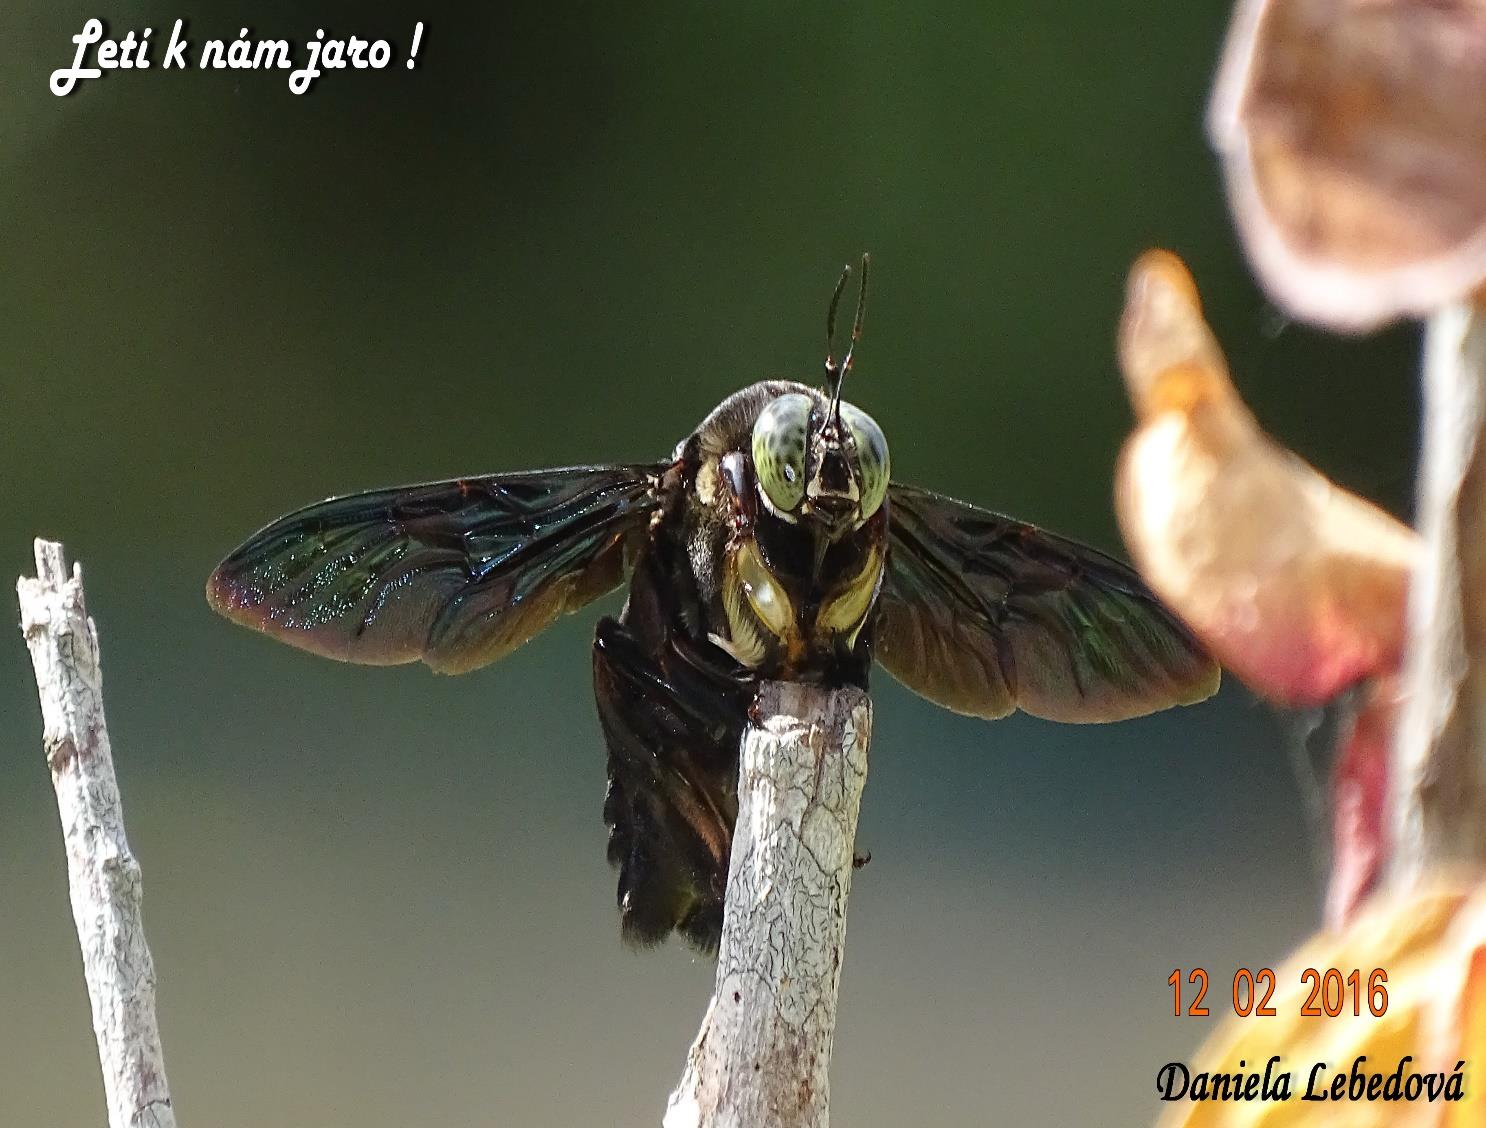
x,y
1418,940
1294,584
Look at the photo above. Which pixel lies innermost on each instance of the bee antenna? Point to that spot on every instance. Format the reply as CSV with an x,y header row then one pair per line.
x,y
834,371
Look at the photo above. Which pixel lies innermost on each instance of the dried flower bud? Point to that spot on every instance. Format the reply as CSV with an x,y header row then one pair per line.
x,y
1353,139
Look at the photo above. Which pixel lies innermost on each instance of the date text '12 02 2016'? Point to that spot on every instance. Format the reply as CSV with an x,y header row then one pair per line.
x,y
1332,992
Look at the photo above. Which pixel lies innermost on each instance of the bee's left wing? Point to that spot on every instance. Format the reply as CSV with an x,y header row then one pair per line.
x,y
455,573
983,615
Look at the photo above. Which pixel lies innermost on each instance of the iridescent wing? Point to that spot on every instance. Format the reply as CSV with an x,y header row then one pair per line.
x,y
983,615
455,573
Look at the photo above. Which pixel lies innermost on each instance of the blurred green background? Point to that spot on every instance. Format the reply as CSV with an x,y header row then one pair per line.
x,y
378,897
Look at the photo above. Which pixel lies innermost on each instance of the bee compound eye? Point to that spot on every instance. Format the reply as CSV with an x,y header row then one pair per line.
x,y
779,437
872,462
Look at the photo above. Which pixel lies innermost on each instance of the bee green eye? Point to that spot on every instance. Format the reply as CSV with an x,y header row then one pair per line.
x,y
779,449
872,457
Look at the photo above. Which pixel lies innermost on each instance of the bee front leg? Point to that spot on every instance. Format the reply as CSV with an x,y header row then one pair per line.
x,y
737,494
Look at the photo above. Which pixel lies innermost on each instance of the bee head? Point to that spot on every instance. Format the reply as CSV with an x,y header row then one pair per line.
x,y
828,465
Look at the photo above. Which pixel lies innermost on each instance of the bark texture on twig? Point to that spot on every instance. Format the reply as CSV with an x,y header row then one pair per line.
x,y
102,875
1440,751
761,1058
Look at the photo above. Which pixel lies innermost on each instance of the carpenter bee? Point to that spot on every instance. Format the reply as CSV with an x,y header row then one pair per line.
x,y
772,544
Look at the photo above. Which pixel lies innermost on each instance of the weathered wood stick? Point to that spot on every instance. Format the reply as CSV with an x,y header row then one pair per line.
x,y
102,875
761,1058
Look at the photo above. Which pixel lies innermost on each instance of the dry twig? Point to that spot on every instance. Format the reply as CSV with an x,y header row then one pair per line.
x,y
102,875
761,1058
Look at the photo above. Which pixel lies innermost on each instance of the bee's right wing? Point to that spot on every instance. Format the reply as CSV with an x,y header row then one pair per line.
x,y
983,614
457,574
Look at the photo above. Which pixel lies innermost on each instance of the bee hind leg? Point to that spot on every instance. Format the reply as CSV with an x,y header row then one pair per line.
x,y
673,728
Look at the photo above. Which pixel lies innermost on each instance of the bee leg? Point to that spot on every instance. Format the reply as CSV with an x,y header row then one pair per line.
x,y
673,728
